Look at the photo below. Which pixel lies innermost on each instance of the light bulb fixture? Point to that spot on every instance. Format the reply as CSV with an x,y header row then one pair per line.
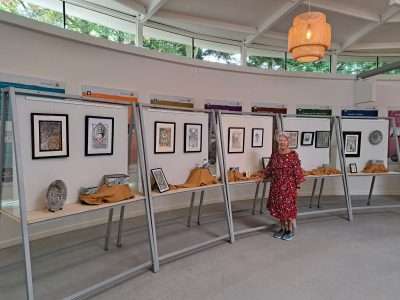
x,y
309,37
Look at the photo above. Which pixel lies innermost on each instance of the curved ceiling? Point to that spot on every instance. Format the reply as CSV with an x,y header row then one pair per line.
x,y
359,26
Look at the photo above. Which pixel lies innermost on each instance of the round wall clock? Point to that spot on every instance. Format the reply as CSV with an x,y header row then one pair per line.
x,y
375,137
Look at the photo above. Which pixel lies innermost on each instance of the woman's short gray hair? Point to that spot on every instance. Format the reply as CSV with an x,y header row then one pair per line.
x,y
281,134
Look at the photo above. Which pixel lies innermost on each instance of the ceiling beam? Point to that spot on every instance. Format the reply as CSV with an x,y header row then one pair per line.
x,y
374,46
386,16
210,23
131,4
153,8
345,9
272,19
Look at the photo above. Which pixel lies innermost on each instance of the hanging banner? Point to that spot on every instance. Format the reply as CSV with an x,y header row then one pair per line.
x,y
223,105
172,101
314,111
269,108
392,153
360,112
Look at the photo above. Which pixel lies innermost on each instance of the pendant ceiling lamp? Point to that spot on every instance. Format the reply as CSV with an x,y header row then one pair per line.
x,y
309,37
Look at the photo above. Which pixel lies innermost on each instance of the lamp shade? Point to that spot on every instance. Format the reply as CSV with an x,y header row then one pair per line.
x,y
309,37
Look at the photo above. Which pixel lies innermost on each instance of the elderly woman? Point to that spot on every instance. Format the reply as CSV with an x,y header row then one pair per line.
x,y
286,175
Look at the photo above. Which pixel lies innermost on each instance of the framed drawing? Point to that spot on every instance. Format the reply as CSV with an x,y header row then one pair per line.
x,y
49,135
192,137
307,138
99,135
322,139
257,137
293,139
160,180
352,143
164,137
236,139
265,161
353,168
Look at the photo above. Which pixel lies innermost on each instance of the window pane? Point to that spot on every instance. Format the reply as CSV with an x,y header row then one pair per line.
x,y
216,52
355,64
264,59
99,25
321,66
167,42
47,11
384,60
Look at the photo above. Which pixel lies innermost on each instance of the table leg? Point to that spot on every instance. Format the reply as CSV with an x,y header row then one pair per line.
x,y
313,192
108,230
253,211
371,190
321,188
200,206
189,219
262,204
120,225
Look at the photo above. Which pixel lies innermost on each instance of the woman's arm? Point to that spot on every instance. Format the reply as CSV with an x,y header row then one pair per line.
x,y
297,170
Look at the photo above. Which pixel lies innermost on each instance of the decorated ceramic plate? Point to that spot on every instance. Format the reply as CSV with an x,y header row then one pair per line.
x,y
375,137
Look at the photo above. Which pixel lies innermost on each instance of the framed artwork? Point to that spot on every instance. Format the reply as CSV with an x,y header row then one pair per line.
x,y
322,139
265,161
49,135
352,143
164,137
193,137
99,135
236,139
160,180
293,139
307,138
353,168
257,137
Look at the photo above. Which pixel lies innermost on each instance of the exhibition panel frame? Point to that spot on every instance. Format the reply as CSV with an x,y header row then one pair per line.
x,y
333,125
27,215
363,126
151,161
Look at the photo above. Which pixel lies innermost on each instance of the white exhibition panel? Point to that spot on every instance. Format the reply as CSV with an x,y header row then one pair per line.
x,y
76,170
176,166
310,156
250,160
367,150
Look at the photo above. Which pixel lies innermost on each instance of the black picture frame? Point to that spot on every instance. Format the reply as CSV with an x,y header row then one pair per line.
x,y
253,130
36,126
157,172
230,130
290,133
303,136
353,168
87,150
265,161
318,137
346,141
185,140
173,138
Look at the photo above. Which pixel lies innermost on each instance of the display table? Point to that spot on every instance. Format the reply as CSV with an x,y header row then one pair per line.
x,y
316,178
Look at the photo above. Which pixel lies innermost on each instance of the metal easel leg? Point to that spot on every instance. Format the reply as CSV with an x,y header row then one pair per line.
x,y
189,219
371,189
313,192
200,206
120,225
108,230
321,188
262,202
253,211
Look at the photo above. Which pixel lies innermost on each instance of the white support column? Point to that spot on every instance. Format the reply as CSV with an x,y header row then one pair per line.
x,y
243,54
333,63
139,34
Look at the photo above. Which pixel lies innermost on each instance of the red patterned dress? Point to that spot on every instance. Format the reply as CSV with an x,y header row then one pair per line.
x,y
286,174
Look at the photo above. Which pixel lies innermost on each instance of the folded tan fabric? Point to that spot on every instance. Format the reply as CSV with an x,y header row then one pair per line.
x,y
198,177
235,175
110,194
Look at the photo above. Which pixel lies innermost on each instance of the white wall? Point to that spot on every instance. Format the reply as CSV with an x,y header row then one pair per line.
x,y
79,60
